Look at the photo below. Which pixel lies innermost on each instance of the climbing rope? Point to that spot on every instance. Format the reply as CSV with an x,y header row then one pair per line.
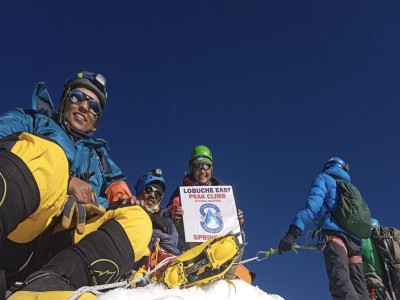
x,y
261,255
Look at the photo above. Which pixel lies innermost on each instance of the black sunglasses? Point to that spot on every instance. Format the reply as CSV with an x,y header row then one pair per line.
x,y
157,193
198,166
77,96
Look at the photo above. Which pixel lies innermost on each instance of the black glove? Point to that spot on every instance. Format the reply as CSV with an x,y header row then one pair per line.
x,y
161,222
287,241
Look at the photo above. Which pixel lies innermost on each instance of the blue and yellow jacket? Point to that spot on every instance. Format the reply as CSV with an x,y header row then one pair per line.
x,y
88,157
322,199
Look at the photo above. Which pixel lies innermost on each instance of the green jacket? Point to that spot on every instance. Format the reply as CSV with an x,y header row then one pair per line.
x,y
372,264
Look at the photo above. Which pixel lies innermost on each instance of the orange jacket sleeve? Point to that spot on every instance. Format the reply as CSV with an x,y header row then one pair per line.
x,y
117,190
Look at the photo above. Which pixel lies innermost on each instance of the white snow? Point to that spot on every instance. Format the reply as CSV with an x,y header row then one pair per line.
x,y
217,290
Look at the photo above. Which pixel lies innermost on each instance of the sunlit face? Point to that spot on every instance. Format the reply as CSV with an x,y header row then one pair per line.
x,y
202,176
77,115
150,197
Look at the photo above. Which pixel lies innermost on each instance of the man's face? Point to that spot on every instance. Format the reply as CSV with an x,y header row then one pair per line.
x,y
201,175
150,196
78,115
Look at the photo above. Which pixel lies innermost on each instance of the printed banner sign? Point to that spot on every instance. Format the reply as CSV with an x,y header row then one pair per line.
x,y
209,211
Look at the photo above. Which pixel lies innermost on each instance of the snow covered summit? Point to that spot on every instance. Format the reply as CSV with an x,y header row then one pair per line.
x,y
218,290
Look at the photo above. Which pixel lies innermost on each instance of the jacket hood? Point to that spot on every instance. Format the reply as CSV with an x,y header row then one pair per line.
x,y
338,173
41,101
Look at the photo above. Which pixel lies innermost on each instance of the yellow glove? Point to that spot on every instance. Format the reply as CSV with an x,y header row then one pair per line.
x,y
74,213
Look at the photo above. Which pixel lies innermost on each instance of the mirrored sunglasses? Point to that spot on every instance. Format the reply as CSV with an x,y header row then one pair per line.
x,y
157,193
198,166
77,96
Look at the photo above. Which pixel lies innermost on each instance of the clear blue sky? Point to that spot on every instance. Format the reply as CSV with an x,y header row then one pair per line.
x,y
274,88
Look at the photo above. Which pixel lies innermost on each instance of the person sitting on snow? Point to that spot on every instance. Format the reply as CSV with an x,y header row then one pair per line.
x,y
54,172
150,189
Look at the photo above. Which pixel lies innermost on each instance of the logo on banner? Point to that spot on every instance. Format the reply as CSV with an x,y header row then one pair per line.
x,y
211,220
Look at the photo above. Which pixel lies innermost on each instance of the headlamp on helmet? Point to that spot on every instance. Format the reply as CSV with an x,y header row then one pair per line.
x,y
94,82
154,176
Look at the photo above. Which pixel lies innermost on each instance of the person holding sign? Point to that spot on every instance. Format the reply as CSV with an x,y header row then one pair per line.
x,y
201,174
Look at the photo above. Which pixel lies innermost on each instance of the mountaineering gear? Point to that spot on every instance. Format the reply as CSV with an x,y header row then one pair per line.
x,y
344,267
375,224
77,212
200,163
17,181
175,201
49,154
287,241
140,278
157,257
154,176
77,96
353,214
165,231
156,265
89,80
86,155
3,286
148,189
94,259
200,150
45,161
387,241
373,266
321,201
132,220
116,191
378,294
261,255
204,263
199,166
160,222
153,185
200,154
336,161
341,248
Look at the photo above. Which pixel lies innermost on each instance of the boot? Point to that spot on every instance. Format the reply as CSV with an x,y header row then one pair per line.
x,y
204,263
95,260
